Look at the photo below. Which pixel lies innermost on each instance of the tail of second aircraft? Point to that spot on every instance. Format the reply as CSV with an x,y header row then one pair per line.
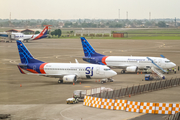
x,y
43,33
88,49
25,55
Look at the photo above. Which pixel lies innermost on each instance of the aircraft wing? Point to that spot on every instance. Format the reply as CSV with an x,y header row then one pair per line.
x,y
53,75
49,75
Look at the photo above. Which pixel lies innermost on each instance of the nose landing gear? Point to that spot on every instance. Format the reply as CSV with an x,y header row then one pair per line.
x,y
107,80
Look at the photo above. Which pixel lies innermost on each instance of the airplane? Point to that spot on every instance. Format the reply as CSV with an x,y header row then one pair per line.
x,y
126,63
66,72
23,37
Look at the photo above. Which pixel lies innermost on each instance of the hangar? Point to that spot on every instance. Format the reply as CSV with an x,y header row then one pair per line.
x,y
25,31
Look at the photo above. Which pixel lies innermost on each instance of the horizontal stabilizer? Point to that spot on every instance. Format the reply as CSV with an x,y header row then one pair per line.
x,y
162,56
76,61
86,58
21,70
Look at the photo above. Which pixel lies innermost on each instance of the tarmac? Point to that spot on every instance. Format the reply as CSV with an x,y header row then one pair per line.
x,y
43,98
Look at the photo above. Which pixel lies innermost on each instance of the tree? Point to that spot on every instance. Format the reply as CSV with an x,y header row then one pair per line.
x,y
37,32
52,33
57,32
161,24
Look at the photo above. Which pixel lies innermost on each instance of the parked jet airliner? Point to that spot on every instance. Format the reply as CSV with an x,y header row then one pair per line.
x,y
23,37
66,72
127,63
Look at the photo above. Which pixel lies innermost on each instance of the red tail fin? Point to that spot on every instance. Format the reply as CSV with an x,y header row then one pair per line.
x,y
43,32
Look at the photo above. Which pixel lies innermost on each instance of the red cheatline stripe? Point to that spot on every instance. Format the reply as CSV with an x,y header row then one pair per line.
x,y
41,68
104,60
31,70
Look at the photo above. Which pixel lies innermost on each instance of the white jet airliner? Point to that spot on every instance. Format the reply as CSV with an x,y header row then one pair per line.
x,y
66,72
127,63
23,37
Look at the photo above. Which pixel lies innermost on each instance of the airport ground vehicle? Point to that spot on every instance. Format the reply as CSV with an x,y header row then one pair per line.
x,y
148,77
72,100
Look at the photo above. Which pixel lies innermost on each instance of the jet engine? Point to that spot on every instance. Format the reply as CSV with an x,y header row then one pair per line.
x,y
132,69
70,78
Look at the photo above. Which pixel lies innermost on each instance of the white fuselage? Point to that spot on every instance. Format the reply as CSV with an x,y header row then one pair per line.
x,y
140,62
21,36
81,70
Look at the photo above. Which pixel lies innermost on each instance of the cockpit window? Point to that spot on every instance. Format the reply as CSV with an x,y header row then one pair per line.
x,y
167,61
107,69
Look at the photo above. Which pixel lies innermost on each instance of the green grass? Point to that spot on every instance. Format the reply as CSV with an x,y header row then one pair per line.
x,y
154,31
130,38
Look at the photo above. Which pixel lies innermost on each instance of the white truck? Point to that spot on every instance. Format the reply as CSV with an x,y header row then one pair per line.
x,y
72,100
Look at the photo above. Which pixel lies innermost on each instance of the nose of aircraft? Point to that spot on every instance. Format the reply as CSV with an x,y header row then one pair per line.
x,y
173,64
113,73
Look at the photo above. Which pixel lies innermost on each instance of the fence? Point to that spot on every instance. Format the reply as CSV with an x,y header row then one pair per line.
x,y
134,90
174,117
133,106
94,91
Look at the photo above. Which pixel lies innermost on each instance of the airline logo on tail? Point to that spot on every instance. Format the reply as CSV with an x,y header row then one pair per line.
x,y
43,34
91,55
25,55
88,49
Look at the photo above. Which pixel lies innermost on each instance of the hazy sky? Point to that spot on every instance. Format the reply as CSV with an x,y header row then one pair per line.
x,y
92,9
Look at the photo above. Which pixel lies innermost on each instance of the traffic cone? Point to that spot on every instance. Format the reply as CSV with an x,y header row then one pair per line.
x,y
137,73
73,83
99,80
129,95
20,85
80,83
141,72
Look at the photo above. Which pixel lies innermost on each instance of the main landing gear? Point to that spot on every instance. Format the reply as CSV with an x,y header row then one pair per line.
x,y
123,72
60,81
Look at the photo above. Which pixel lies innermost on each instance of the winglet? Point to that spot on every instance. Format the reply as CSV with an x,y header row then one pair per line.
x,y
162,56
76,61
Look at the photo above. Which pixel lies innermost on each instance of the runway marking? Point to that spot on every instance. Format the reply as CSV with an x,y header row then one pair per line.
x,y
87,86
12,61
66,109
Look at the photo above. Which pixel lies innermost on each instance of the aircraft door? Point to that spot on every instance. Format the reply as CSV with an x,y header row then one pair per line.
x,y
97,70
12,36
